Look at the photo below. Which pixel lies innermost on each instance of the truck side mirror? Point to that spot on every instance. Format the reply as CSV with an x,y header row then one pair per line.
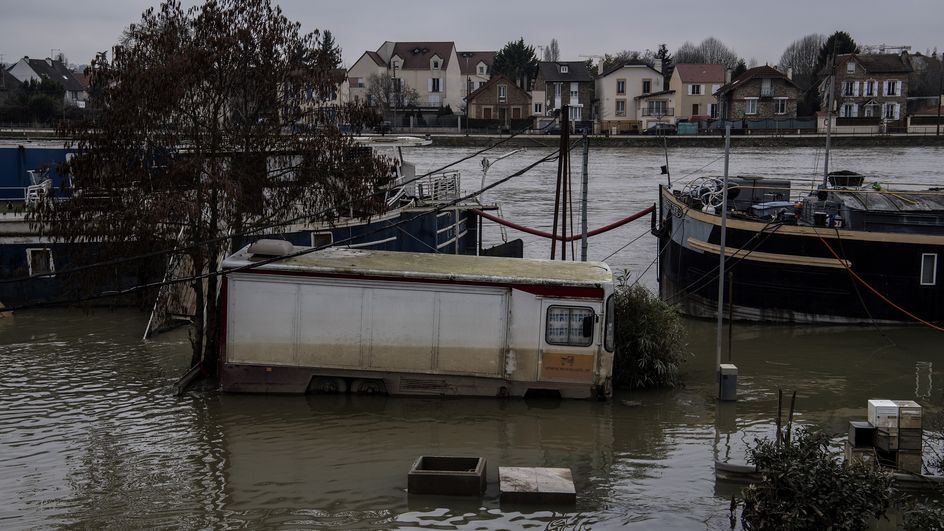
x,y
588,326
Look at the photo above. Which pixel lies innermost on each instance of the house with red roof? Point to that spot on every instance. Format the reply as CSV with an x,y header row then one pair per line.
x,y
695,86
431,68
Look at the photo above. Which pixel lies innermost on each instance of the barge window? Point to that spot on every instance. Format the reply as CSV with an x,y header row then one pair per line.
x,y
929,269
570,325
321,239
39,261
609,325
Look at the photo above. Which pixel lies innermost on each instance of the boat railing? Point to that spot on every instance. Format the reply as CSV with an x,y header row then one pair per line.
x,y
439,187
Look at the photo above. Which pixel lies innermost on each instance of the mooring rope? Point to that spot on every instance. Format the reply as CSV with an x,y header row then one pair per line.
x,y
542,234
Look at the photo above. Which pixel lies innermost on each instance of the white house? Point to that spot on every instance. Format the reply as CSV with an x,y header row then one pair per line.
x,y
617,89
27,69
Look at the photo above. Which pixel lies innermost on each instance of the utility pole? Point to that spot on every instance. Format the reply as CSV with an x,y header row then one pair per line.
x,y
585,178
721,255
940,89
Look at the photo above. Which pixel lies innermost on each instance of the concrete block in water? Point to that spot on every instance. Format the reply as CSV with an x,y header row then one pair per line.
x,y
450,476
536,485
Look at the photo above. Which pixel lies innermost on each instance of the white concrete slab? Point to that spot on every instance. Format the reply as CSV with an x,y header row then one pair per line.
x,y
536,485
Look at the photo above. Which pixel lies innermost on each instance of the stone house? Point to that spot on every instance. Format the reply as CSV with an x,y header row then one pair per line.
x,y
26,69
499,99
695,86
562,83
617,89
760,93
430,68
869,88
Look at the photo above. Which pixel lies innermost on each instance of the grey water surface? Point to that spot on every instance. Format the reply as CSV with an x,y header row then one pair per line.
x,y
91,436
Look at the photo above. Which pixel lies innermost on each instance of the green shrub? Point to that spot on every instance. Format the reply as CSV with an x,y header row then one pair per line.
x,y
650,339
805,487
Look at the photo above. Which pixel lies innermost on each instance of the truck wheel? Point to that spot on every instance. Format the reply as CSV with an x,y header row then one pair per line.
x,y
368,387
327,385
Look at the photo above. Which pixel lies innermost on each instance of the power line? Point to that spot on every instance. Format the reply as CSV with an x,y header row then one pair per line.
x,y
181,250
302,252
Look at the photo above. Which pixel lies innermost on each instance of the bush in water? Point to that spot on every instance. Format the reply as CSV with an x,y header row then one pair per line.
x,y
804,486
650,339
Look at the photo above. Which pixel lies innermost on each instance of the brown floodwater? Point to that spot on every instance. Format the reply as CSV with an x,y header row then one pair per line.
x,y
92,437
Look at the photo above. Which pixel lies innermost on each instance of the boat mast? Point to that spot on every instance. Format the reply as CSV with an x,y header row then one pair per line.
x,y
721,255
585,178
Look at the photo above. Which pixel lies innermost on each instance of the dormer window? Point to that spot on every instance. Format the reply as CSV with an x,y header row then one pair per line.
x,y
481,70
435,62
564,69
435,65
850,67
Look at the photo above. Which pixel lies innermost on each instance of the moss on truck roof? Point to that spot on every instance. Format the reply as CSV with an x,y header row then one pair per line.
x,y
434,266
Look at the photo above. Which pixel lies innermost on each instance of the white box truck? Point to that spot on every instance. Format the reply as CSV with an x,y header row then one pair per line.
x,y
339,320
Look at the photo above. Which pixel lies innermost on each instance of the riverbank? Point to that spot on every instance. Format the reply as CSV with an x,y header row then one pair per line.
x,y
717,141
621,141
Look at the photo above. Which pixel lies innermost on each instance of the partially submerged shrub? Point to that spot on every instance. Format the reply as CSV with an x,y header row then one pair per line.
x,y
650,339
804,487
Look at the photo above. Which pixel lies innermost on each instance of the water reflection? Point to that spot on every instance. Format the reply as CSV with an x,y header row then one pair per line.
x,y
91,436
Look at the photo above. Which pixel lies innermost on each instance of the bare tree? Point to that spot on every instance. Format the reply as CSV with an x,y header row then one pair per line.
x,y
708,51
801,56
387,92
190,140
626,56
552,51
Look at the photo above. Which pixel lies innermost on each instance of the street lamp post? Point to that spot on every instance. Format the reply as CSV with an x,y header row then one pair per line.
x,y
396,96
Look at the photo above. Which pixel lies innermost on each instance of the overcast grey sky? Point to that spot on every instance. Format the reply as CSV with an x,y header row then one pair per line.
x,y
758,29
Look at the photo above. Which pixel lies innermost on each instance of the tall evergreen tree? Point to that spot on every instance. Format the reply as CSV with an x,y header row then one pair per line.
x,y
516,60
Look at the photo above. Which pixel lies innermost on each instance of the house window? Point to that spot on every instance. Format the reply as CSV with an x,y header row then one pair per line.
x,y
657,108
750,106
695,90
557,90
846,110
502,92
713,110
891,111
575,113
766,90
435,65
516,113
870,88
620,107
780,106
715,87
847,88
570,326
564,69
891,89
621,86
646,86
538,108
481,84
574,88
39,261
434,84
850,67
929,269
481,70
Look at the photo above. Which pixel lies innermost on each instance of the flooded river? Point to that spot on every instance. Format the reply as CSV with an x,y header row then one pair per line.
x,y
90,435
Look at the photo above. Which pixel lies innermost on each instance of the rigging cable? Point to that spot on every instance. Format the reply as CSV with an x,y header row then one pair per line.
x,y
253,265
875,291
